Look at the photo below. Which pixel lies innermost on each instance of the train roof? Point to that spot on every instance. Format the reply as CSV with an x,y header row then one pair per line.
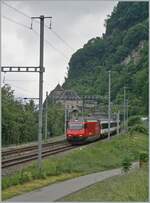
x,y
91,119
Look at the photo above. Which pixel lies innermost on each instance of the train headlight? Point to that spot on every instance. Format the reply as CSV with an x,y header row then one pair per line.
x,y
69,135
80,135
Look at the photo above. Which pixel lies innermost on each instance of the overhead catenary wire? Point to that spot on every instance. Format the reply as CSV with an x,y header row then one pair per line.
x,y
14,8
51,45
16,22
61,39
34,31
53,31
20,88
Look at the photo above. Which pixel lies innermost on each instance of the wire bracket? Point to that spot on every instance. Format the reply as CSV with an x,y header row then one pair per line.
x,y
22,69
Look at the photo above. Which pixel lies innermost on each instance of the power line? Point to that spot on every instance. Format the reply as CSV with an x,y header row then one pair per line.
x,y
56,49
17,23
53,31
22,89
8,5
51,45
20,24
61,39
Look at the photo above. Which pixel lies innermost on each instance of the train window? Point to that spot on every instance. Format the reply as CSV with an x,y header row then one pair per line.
x,y
75,126
104,125
114,124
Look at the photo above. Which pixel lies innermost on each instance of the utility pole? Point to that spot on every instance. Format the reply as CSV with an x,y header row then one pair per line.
x,y
40,88
118,120
124,114
109,99
127,113
33,69
82,107
65,124
46,103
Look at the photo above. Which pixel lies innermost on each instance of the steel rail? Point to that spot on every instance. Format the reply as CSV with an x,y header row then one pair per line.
x,y
29,148
34,156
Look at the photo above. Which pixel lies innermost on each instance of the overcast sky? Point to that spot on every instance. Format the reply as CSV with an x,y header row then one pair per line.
x,y
76,22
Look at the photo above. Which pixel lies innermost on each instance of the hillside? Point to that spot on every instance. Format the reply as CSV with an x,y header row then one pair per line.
x,y
123,49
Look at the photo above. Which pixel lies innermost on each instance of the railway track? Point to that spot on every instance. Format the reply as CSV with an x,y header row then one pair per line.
x,y
56,147
25,154
29,148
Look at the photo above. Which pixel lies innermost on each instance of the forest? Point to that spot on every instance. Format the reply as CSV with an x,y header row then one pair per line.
x,y
123,49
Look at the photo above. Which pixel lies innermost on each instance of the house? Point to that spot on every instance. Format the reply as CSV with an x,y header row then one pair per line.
x,y
71,100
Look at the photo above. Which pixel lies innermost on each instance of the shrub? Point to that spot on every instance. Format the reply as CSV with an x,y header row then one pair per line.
x,y
6,183
25,176
133,120
42,174
143,156
126,164
138,128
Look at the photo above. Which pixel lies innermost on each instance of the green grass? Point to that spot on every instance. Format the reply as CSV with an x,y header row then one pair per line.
x,y
101,156
34,184
129,187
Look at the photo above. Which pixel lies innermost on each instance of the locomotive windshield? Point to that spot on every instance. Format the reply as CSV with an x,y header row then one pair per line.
x,y
75,126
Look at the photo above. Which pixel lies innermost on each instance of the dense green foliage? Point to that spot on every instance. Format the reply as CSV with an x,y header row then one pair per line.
x,y
123,49
55,119
126,164
19,121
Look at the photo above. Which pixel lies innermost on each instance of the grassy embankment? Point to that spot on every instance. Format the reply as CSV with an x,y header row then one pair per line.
x,y
101,156
129,187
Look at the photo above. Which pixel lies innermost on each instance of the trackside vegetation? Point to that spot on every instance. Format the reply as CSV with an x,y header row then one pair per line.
x,y
100,156
20,119
128,187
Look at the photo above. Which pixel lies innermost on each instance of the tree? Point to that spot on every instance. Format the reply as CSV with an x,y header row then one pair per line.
x,y
19,121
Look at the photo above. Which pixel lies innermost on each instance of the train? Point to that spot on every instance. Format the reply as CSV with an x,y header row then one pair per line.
x,y
89,129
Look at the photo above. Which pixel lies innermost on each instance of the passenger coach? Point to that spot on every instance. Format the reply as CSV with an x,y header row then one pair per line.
x,y
81,131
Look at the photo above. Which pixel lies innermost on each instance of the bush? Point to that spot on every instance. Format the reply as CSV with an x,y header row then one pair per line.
x,y
138,128
25,176
126,164
133,120
143,156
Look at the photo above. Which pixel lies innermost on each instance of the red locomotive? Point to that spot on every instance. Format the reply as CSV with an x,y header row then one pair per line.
x,y
80,131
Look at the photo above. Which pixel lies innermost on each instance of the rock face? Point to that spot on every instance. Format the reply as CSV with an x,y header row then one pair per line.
x,y
135,55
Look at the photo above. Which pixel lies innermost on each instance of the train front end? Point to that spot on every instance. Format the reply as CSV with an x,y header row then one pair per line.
x,y
76,132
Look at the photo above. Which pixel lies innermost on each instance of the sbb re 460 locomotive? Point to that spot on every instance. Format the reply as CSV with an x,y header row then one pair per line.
x,y
81,131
